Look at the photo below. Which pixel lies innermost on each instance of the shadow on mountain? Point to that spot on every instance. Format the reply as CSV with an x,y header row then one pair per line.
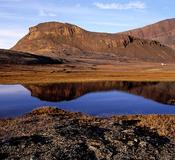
x,y
24,58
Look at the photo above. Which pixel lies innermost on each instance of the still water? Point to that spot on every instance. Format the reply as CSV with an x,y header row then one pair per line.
x,y
95,98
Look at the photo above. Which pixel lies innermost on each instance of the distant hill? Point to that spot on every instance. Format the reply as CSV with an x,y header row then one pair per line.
x,y
56,39
16,57
163,31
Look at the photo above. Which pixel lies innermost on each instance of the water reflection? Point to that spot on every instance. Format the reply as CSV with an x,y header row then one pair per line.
x,y
163,92
96,98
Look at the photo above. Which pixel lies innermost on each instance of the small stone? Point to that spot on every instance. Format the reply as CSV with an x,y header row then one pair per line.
x,y
148,138
135,140
128,131
143,144
32,157
120,122
23,146
92,148
130,143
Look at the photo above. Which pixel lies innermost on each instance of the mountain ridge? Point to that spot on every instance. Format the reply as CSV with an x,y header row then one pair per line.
x,y
57,39
162,31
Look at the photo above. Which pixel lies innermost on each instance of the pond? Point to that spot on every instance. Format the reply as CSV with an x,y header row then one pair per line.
x,y
94,98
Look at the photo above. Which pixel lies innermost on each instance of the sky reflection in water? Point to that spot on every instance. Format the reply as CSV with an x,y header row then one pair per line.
x,y
16,100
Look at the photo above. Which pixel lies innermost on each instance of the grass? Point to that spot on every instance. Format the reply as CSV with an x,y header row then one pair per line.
x,y
78,73
163,124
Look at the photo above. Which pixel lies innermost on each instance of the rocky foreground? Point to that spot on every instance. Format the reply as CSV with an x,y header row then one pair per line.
x,y
50,133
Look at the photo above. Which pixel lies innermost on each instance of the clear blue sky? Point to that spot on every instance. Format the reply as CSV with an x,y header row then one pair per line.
x,y
16,16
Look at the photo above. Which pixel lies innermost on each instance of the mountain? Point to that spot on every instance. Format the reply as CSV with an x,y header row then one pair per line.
x,y
16,57
163,31
56,39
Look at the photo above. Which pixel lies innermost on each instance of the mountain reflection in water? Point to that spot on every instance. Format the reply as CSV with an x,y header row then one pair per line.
x,y
163,92
94,98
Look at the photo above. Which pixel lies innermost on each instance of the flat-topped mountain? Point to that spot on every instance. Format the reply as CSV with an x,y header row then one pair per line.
x,y
163,31
65,40
16,57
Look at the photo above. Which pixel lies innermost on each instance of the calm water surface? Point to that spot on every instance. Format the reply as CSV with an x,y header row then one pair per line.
x,y
100,99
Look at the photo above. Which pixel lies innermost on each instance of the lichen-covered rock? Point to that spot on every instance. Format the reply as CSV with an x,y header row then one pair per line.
x,y
50,133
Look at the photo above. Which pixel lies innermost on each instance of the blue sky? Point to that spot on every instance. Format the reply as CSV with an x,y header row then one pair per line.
x,y
94,15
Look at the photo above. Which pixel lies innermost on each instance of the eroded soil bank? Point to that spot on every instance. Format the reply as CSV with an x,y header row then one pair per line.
x,y
49,133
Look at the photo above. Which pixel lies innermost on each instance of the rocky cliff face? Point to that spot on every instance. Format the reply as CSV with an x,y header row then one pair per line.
x,y
163,32
62,39
48,35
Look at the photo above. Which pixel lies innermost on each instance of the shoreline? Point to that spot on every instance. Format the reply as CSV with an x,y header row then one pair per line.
x,y
54,110
65,73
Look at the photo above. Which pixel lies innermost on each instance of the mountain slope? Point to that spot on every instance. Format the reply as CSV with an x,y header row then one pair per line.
x,y
14,57
163,31
65,40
